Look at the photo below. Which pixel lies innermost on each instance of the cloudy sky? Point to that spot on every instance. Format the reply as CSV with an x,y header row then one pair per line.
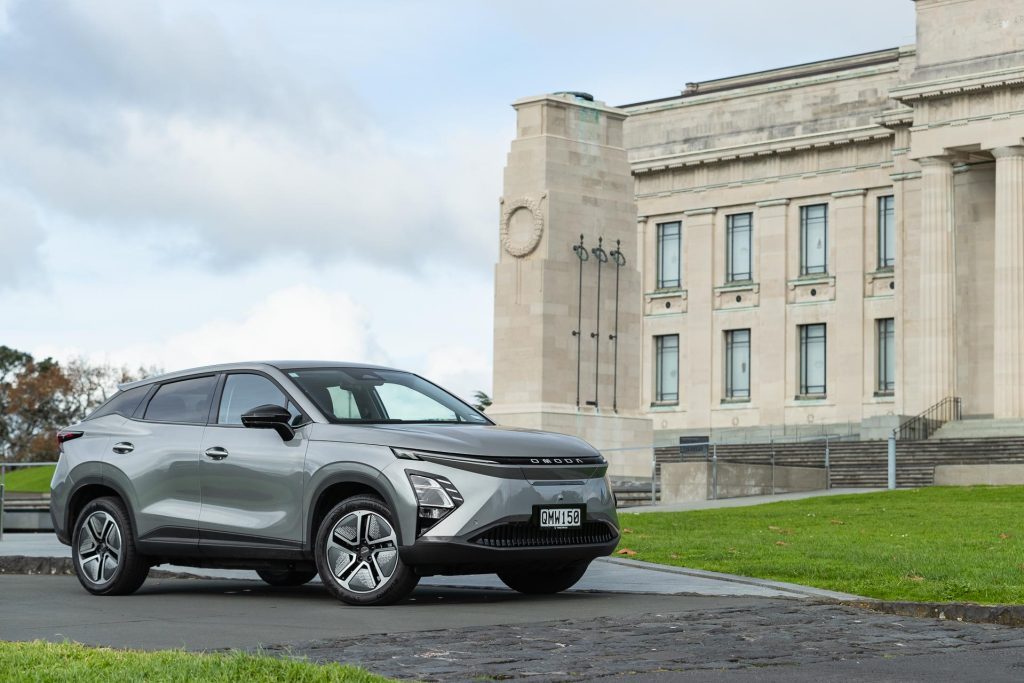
x,y
185,182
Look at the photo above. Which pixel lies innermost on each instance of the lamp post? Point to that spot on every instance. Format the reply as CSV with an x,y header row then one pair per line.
x,y
602,257
582,255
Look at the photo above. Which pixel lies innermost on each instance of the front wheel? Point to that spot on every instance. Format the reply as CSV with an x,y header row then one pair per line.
x,y
357,554
545,580
103,549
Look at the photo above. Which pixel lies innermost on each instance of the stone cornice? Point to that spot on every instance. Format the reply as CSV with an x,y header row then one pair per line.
x,y
778,80
1002,78
895,118
763,148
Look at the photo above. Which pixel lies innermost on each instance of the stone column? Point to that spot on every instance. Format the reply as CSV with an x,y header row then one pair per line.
x,y
937,301
1008,327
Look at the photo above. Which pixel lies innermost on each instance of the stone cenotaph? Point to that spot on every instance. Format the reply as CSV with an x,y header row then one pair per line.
x,y
567,299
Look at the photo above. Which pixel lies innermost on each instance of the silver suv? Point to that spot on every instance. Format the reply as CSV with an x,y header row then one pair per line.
x,y
367,476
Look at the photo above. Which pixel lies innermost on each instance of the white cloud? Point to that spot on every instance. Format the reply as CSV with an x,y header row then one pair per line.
x,y
296,323
463,370
21,242
138,118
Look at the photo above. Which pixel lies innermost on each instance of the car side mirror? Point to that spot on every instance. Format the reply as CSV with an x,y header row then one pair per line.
x,y
270,416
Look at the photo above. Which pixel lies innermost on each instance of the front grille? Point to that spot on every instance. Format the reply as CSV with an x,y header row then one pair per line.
x,y
526,535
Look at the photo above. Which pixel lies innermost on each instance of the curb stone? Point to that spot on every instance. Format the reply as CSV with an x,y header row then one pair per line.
x,y
1004,615
61,566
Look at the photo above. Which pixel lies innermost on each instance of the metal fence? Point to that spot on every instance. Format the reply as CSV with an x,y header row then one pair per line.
x,y
6,467
716,453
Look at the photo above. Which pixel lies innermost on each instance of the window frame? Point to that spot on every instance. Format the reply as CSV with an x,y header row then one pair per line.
x,y
805,268
661,397
661,281
885,334
730,229
731,393
886,217
804,388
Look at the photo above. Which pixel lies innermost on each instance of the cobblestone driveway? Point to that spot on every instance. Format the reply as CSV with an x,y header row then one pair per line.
x,y
779,635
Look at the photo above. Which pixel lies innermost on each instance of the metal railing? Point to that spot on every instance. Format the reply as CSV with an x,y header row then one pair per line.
x,y
708,452
4,467
922,426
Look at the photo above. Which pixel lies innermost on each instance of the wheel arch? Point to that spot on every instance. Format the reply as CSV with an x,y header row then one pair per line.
x,y
334,488
89,489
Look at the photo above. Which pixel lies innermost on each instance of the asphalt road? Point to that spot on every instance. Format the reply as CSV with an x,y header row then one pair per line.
x,y
456,634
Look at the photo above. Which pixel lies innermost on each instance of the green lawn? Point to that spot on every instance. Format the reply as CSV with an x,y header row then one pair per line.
x,y
933,544
30,479
40,661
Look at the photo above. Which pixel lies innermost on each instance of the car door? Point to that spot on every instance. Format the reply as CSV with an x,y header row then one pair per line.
x,y
251,478
156,457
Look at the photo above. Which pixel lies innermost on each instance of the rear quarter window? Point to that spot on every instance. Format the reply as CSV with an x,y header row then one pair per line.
x,y
123,403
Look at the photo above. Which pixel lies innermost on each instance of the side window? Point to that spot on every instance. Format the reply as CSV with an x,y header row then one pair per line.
x,y
243,392
187,400
123,403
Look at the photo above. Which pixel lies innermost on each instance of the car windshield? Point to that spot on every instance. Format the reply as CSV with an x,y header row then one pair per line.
x,y
371,396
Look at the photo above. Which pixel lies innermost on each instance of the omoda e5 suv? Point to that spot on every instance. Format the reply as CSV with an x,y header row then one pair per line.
x,y
368,476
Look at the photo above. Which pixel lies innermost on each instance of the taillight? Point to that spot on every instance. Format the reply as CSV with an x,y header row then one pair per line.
x,y
65,435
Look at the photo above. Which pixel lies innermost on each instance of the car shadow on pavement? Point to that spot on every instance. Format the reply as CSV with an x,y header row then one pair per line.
x,y
423,595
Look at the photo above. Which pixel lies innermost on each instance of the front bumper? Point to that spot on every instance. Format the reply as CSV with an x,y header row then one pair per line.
x,y
494,529
509,545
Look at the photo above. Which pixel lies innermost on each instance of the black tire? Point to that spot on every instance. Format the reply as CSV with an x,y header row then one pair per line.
x,y
93,549
545,580
286,577
362,515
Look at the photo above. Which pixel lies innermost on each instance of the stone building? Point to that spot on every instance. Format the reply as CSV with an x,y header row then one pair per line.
x,y
828,246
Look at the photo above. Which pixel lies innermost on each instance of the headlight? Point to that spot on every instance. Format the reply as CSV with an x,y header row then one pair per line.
x,y
436,496
430,493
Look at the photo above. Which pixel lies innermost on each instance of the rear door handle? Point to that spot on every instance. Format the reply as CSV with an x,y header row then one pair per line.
x,y
216,453
123,447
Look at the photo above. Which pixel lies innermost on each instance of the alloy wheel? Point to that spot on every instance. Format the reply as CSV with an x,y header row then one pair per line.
x,y
99,547
362,551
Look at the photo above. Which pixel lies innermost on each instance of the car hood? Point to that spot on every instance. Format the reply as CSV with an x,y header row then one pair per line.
x,y
479,440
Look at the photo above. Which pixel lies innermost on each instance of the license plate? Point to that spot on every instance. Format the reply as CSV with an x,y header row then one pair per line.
x,y
560,517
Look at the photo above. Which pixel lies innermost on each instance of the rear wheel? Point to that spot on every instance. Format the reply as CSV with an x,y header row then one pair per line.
x,y
545,580
286,577
103,549
357,554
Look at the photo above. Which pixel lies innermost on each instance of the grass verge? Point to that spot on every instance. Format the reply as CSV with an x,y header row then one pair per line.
x,y
40,661
30,479
932,544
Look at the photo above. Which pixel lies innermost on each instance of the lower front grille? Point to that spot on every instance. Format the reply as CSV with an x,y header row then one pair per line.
x,y
527,535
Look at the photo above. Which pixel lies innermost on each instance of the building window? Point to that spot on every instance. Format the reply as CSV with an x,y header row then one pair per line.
x,y
737,364
812,360
886,352
738,230
814,239
886,232
666,368
669,242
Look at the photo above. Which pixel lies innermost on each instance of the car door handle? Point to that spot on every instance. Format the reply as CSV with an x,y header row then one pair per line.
x,y
123,447
216,453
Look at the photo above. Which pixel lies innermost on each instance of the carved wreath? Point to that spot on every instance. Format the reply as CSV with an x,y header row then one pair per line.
x,y
521,249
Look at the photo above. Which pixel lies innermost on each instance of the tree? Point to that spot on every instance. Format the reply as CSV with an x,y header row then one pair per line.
x,y
481,401
37,398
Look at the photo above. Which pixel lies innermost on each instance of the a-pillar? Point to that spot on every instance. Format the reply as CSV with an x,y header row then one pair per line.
x,y
1008,346
938,283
